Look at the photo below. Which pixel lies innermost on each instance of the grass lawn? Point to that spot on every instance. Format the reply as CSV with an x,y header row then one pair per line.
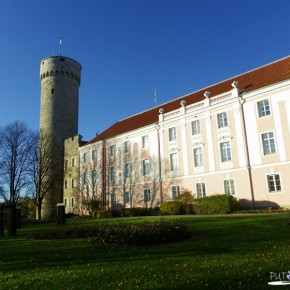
x,y
222,253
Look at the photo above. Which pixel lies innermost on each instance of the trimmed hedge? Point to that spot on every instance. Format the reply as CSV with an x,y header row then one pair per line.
x,y
216,204
174,207
127,212
143,233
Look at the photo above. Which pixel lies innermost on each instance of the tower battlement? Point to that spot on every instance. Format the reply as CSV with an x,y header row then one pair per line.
x,y
59,66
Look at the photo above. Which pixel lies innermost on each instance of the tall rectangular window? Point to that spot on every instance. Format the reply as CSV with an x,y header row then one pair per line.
x,y
145,167
112,173
173,162
126,147
222,120
112,150
73,183
84,178
264,108
172,134
127,170
225,148
113,198
72,202
65,184
198,157
229,186
147,196
94,155
268,143
94,176
175,191
85,157
145,142
73,162
200,190
274,183
127,197
195,127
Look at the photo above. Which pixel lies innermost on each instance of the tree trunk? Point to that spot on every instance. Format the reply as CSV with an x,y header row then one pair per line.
x,y
12,220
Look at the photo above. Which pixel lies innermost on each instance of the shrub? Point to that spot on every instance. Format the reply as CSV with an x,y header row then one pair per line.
x,y
174,207
127,212
187,198
143,233
216,204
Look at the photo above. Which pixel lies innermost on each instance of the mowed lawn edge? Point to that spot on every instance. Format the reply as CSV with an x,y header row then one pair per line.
x,y
223,252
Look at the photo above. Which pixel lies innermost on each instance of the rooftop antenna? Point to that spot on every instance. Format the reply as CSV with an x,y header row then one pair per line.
x,y
155,97
60,42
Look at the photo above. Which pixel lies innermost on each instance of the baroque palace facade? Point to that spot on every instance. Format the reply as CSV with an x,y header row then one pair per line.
x,y
229,138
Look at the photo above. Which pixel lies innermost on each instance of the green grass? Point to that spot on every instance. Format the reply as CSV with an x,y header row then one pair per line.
x,y
223,253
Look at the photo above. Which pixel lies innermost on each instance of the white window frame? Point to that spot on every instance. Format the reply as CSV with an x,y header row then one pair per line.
x,y
94,176
175,190
268,143
145,167
198,157
126,146
112,173
173,161
200,189
225,151
264,108
147,195
145,141
172,134
85,178
85,157
112,150
222,119
127,170
127,197
94,154
113,198
229,186
195,127
272,182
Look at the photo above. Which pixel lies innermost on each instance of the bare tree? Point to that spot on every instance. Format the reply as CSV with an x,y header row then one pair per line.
x,y
90,182
16,146
40,169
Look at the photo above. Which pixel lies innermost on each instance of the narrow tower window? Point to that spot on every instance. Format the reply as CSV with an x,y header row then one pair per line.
x,y
52,91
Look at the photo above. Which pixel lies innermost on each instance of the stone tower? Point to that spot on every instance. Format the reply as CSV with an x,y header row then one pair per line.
x,y
60,80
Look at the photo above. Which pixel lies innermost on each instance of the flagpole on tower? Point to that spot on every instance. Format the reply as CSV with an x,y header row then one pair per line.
x,y
60,43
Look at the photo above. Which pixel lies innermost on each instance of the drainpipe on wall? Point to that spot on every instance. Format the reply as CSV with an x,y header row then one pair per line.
x,y
103,202
248,162
157,126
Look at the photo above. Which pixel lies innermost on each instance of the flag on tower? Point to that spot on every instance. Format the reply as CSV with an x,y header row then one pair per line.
x,y
60,42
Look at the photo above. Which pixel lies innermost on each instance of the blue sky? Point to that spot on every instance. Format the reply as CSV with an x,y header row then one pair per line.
x,y
128,48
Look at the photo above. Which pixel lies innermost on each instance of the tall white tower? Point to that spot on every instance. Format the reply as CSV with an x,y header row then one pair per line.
x,y
60,80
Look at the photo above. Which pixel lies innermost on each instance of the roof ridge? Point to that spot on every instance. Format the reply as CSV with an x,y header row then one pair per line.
x,y
204,88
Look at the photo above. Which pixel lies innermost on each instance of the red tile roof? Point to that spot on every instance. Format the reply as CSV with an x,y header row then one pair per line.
x,y
263,76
